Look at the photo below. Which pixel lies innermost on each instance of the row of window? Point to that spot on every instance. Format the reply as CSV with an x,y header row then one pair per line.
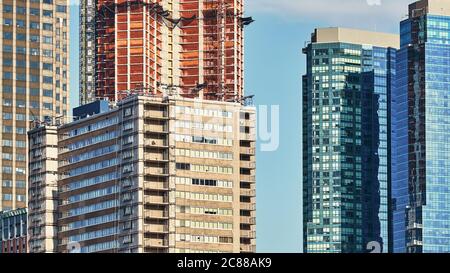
x,y
204,154
203,225
93,167
9,170
204,140
92,140
33,105
9,197
92,208
203,112
9,143
93,234
33,78
34,11
203,239
9,156
93,127
21,90
91,181
203,126
204,196
92,154
93,194
36,51
203,210
204,168
20,184
91,221
203,182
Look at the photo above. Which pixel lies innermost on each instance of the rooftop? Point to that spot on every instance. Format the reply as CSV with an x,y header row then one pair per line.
x,y
435,7
355,36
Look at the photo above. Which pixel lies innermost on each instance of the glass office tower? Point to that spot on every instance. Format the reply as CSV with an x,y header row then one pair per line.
x,y
421,188
346,140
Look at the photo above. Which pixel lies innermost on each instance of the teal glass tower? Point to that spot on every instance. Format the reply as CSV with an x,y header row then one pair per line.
x,y
346,140
421,179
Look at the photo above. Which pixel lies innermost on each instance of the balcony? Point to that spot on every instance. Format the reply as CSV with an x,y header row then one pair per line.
x,y
248,248
249,137
248,178
153,228
156,200
248,220
157,115
156,157
156,214
155,185
156,171
156,243
248,206
248,164
155,142
248,234
154,128
247,151
248,192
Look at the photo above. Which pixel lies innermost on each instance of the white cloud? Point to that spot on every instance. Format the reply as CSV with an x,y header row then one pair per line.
x,y
372,14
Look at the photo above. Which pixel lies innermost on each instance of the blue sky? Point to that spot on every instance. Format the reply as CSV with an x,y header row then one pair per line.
x,y
274,66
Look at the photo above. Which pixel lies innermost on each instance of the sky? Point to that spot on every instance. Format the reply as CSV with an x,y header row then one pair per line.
x,y
273,68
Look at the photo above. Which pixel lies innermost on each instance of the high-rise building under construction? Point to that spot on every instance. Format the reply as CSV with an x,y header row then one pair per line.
x,y
182,46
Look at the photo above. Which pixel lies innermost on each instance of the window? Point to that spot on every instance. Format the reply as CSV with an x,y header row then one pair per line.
x,y
20,103
47,66
48,106
21,10
47,26
21,90
7,197
34,65
61,8
34,12
7,169
20,171
34,51
20,157
7,35
7,75
7,8
48,93
47,2
7,22
7,156
34,38
21,63
20,117
47,13
21,77
7,102
20,198
7,129
20,23
34,25
21,50
47,40
21,184
7,143
34,104
7,184
7,48
21,36
21,130
47,79
7,62
7,116
20,144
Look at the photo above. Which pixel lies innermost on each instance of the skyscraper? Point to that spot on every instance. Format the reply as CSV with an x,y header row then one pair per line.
x,y
153,174
152,46
87,51
34,83
421,176
346,139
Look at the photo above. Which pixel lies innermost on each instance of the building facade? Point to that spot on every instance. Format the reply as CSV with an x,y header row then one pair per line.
x,y
13,231
346,140
42,189
87,51
158,175
159,46
421,185
34,83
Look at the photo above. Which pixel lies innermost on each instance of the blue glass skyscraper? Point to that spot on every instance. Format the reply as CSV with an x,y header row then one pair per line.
x,y
421,131
346,140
